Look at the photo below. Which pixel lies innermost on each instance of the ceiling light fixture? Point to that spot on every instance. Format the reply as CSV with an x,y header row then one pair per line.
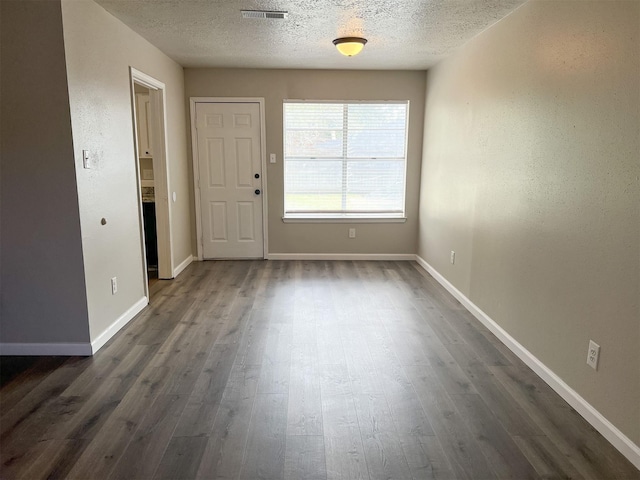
x,y
350,46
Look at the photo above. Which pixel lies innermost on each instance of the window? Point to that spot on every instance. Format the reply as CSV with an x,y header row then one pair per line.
x,y
344,160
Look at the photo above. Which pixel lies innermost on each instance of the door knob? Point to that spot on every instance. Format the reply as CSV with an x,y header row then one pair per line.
x,y
257,192
257,175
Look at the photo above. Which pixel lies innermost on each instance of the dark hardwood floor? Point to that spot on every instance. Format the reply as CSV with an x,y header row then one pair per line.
x,y
275,369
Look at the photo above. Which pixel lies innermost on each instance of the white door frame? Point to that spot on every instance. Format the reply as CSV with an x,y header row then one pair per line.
x,y
196,166
157,102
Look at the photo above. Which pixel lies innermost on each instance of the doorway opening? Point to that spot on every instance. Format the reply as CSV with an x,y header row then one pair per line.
x,y
148,100
144,135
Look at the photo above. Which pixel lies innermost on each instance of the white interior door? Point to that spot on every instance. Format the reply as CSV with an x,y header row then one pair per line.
x,y
230,178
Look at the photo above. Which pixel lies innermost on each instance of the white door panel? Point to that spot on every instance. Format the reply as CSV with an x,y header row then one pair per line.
x,y
215,158
218,218
229,146
245,220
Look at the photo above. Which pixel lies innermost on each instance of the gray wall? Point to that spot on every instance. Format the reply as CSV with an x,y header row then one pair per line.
x,y
99,51
43,289
530,173
277,85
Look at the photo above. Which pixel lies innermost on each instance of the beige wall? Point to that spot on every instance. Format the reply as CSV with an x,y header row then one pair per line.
x,y
277,85
530,173
43,289
99,51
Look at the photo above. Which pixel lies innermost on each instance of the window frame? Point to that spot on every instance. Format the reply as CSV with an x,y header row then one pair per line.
x,y
361,217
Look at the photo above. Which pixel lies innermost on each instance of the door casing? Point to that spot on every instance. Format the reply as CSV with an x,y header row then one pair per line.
x,y
158,101
193,101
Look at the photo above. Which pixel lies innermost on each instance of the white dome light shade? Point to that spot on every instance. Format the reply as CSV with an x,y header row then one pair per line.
x,y
349,46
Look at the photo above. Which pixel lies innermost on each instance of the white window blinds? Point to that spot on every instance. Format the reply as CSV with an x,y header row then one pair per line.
x,y
344,159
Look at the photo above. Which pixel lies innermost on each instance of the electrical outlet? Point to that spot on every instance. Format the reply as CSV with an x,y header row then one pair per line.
x,y
453,257
114,285
352,233
593,355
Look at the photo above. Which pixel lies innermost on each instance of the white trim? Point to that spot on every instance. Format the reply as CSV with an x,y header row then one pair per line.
x,y
163,194
265,200
125,318
136,148
225,99
184,264
196,166
342,256
311,100
609,431
46,349
75,349
158,101
345,219
196,175
145,80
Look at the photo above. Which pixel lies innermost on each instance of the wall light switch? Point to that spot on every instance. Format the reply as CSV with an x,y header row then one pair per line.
x,y
87,159
272,158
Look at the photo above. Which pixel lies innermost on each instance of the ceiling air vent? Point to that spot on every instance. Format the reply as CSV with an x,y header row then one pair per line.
x,y
263,14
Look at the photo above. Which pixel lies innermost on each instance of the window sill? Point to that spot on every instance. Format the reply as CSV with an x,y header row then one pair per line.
x,y
341,219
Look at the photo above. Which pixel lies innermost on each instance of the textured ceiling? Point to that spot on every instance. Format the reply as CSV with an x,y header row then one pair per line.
x,y
402,34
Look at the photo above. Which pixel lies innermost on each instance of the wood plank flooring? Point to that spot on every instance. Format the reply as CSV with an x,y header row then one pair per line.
x,y
295,370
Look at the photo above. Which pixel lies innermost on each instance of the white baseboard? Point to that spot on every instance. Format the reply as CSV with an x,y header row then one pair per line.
x,y
46,349
115,327
618,439
74,349
184,264
342,256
